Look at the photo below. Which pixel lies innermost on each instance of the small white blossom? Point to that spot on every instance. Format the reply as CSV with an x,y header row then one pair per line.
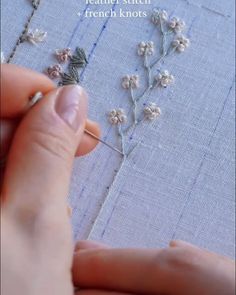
x,y
152,111
63,54
176,24
54,71
2,58
146,48
35,3
117,116
158,16
181,43
165,78
34,37
130,81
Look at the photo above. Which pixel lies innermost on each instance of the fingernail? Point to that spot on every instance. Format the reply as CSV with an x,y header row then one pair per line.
x,y
71,106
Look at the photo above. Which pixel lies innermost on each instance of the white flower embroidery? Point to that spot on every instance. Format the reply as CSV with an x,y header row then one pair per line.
x,y
176,24
34,37
146,48
54,72
181,43
2,58
116,117
130,81
63,54
35,3
159,15
165,79
152,111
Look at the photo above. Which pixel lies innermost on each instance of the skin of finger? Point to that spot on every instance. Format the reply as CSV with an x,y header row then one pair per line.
x,y
123,270
176,271
7,130
99,292
15,100
18,84
32,271
36,186
200,271
87,144
45,181
87,245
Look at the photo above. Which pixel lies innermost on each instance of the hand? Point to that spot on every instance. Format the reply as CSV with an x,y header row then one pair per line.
x,y
181,269
41,143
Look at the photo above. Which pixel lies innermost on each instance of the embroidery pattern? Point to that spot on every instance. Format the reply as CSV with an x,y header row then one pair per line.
x,y
171,41
33,37
77,61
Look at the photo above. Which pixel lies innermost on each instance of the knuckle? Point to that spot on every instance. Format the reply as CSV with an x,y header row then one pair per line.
x,y
51,139
182,258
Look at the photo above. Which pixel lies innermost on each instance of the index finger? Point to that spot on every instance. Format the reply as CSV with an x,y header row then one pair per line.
x,y
18,84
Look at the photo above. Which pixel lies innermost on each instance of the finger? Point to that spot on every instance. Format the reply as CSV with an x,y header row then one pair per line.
x,y
88,143
88,245
41,156
18,84
120,269
179,243
6,134
8,127
97,292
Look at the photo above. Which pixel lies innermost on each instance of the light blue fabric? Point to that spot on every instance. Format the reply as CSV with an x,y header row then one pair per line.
x,y
179,182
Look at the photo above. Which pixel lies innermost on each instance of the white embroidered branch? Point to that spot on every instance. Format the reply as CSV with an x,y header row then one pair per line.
x,y
179,43
118,117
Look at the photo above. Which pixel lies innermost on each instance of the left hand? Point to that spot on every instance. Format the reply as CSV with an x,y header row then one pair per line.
x,y
36,238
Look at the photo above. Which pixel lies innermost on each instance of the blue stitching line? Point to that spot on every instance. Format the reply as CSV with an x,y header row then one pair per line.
x,y
202,163
78,25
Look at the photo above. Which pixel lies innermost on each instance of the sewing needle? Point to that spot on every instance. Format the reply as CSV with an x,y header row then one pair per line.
x,y
39,95
102,141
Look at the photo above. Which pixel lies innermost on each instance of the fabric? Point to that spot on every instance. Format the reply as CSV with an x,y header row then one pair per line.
x,y
179,182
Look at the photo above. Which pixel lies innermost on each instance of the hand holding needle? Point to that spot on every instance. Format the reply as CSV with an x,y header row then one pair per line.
x,y
39,95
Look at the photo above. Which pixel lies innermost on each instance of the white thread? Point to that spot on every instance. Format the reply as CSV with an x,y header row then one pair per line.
x,y
146,48
130,81
168,28
176,24
38,95
159,15
164,79
181,43
116,117
34,37
152,111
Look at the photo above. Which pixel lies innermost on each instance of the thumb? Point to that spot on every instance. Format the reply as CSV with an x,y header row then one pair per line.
x,y
41,156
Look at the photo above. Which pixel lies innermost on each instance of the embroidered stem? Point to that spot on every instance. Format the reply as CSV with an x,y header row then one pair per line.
x,y
121,134
135,105
35,4
163,52
148,69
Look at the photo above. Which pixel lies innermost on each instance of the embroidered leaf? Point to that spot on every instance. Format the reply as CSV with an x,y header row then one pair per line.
x,y
79,59
66,79
70,79
74,73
